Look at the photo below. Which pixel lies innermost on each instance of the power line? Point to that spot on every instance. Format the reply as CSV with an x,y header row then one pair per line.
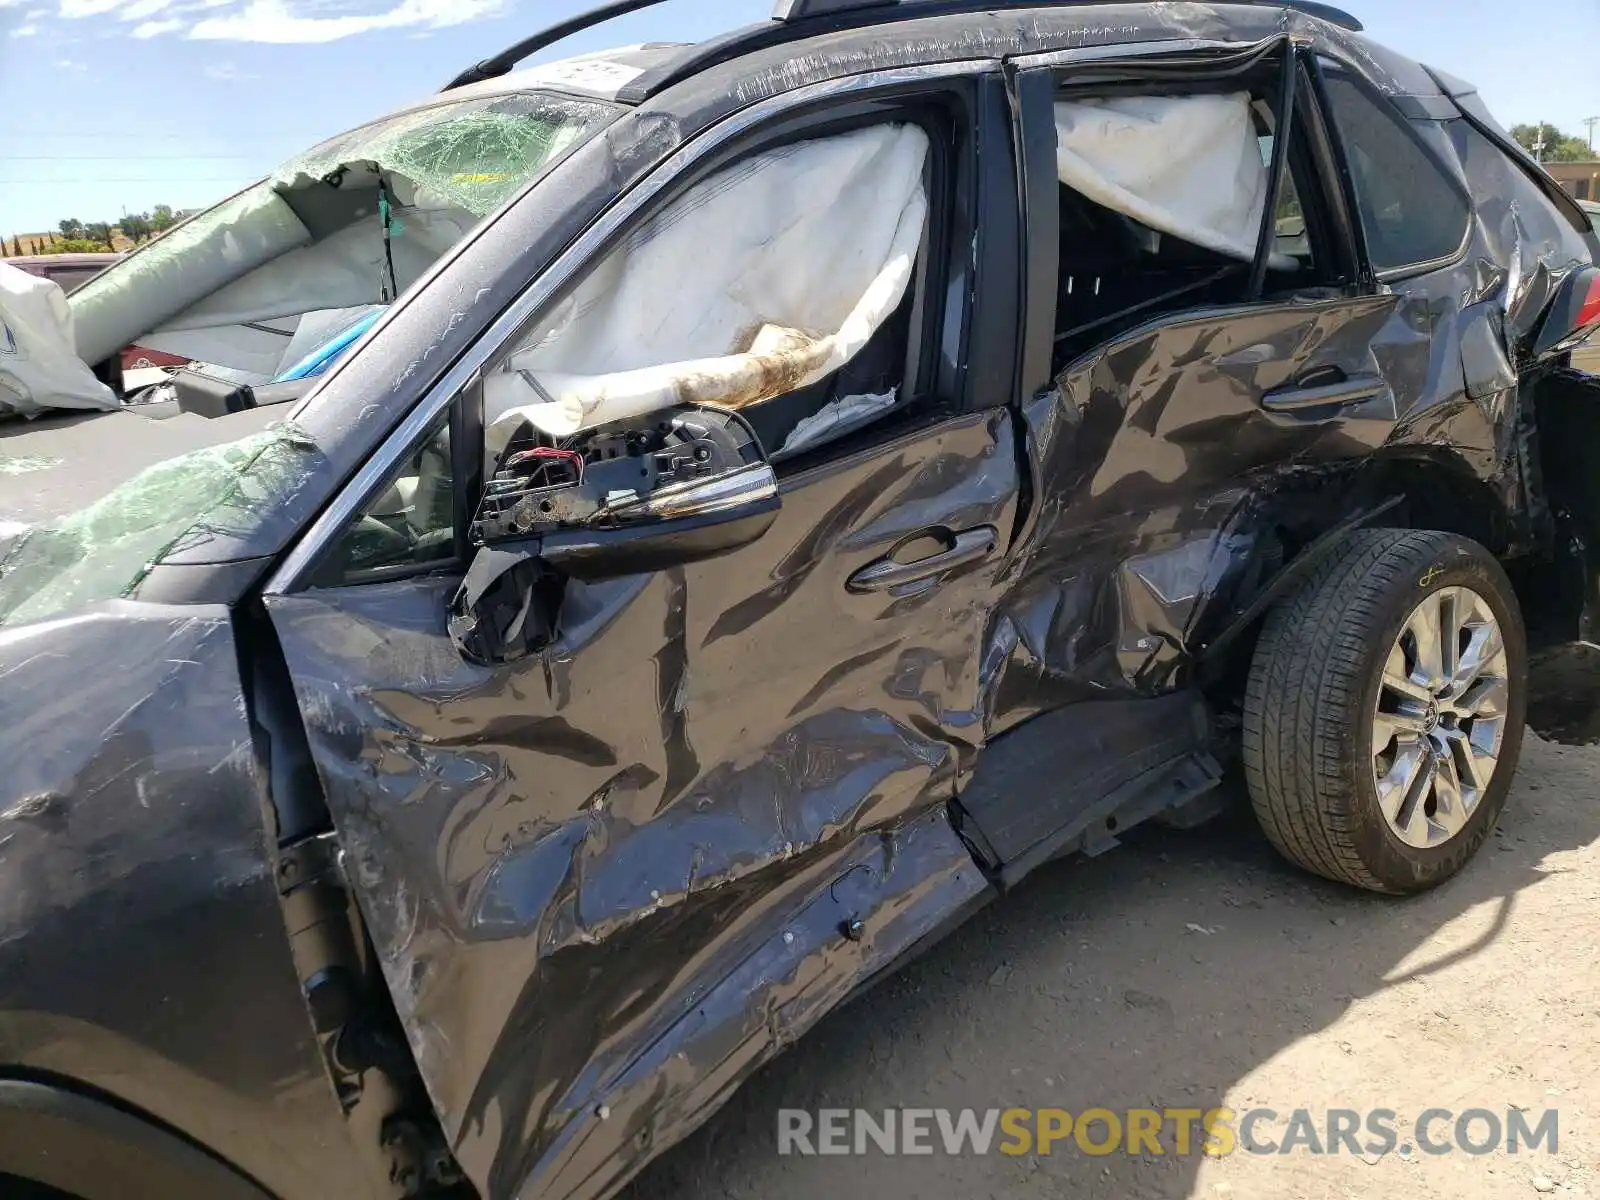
x,y
51,135
125,157
164,179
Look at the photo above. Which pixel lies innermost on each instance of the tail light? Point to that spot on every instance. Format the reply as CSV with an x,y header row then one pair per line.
x,y
1574,314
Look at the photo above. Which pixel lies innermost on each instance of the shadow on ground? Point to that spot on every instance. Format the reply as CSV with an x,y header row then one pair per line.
x,y
1155,976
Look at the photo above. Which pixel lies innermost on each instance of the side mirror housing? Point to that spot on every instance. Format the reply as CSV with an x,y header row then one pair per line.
x,y
693,487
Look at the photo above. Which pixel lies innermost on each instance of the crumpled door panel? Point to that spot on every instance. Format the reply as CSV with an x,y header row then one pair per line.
x,y
1161,462
1145,458
563,862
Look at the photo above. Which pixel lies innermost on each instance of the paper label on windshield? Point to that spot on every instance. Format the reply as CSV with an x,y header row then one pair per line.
x,y
595,76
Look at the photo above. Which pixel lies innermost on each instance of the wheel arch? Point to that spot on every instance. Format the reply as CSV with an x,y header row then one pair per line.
x,y
1440,491
1304,518
88,1145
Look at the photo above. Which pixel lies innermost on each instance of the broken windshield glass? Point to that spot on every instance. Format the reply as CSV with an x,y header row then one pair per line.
x,y
474,154
104,551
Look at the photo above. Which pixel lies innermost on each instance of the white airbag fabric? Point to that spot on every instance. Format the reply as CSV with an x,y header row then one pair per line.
x,y
761,280
258,348
39,366
1190,166
344,270
181,268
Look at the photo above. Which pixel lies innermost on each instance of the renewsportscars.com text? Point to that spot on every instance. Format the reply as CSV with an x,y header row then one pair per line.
x,y
1216,1132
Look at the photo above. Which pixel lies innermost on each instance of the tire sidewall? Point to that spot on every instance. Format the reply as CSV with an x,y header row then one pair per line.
x,y
1398,866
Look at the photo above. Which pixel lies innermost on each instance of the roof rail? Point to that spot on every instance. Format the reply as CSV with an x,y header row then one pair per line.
x,y
797,18
800,10
502,63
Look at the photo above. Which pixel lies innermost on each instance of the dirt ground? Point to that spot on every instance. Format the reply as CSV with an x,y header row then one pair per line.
x,y
1195,969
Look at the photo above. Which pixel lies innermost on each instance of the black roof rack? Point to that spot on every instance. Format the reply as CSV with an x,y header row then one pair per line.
x,y
800,10
802,18
502,63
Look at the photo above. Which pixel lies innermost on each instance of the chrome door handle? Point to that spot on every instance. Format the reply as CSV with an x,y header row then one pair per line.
x,y
886,575
1355,390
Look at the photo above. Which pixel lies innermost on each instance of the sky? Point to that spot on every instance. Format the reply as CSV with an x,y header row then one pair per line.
x,y
112,106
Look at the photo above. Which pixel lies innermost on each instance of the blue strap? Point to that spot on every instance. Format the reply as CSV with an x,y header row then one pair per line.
x,y
318,361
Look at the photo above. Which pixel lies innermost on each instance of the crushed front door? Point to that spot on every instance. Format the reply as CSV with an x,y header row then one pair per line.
x,y
607,881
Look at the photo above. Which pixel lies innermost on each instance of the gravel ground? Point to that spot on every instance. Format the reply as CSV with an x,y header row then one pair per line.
x,y
1196,970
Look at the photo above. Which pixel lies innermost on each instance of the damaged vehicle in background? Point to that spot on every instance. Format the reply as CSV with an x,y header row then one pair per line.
x,y
722,482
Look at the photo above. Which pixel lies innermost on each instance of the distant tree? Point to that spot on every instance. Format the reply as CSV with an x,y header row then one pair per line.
x,y
52,241
71,228
1558,146
78,246
99,231
136,228
161,218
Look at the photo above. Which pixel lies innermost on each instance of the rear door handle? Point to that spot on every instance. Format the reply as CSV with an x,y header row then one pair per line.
x,y
1355,390
885,575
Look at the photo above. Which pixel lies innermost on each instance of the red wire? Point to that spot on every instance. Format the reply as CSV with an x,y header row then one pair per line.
x,y
571,457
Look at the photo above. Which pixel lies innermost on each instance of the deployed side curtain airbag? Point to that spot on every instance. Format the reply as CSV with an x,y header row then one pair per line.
x,y
182,267
1189,166
343,270
761,280
39,369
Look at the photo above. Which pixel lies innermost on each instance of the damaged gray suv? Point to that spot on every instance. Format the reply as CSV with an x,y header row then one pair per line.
x,y
631,549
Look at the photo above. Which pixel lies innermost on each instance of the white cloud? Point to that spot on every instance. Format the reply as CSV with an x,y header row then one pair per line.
x,y
67,64
73,10
273,20
142,10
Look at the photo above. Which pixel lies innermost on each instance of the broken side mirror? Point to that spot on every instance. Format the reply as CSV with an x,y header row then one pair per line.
x,y
690,486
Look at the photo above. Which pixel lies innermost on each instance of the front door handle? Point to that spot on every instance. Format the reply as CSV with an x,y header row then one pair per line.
x,y
885,575
1355,390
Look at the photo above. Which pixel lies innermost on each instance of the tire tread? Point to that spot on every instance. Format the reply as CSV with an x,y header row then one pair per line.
x,y
1304,686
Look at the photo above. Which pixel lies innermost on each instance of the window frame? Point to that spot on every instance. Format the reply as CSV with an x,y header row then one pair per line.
x,y
811,106
1449,173
932,388
463,417
1182,67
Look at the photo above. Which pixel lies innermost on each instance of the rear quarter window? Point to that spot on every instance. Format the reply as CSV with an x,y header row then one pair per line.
x,y
1412,211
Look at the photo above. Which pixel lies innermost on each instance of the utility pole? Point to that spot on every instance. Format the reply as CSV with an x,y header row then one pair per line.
x,y
1538,144
1591,122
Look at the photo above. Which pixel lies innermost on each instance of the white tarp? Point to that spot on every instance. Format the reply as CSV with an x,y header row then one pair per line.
x,y
39,364
1190,166
762,279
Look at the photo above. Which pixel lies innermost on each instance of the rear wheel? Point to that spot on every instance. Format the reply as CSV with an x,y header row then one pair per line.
x,y
1384,712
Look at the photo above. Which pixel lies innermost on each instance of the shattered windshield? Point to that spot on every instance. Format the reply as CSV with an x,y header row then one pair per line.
x,y
104,551
475,154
